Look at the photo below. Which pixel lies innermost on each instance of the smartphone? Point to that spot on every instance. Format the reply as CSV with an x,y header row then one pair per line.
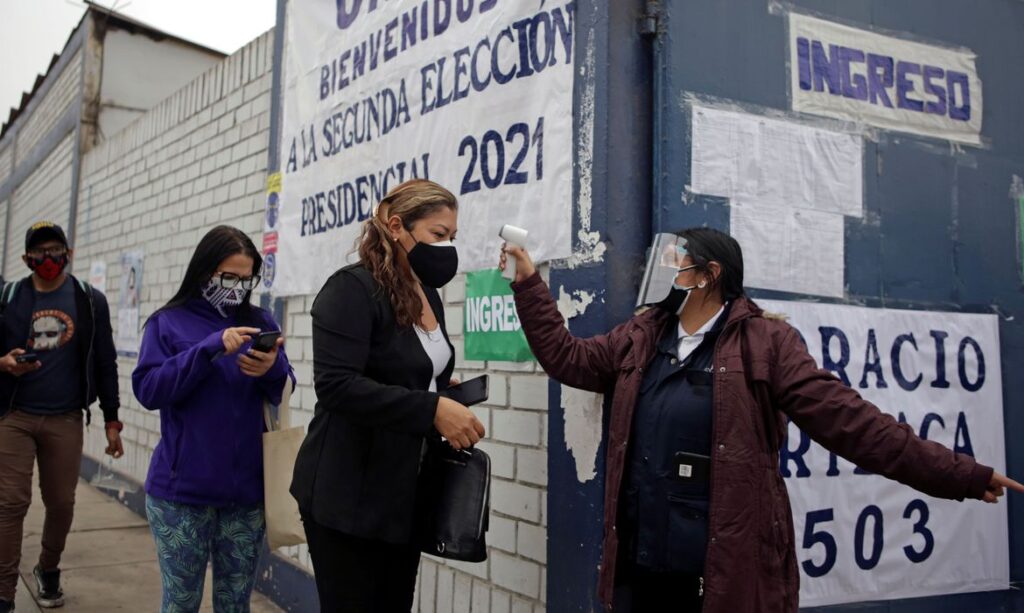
x,y
469,392
266,341
25,358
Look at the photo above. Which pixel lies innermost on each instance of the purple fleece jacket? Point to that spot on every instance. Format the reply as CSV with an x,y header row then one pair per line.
x,y
211,415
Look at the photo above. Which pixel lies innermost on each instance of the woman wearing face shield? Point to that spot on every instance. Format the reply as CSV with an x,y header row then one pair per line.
x,y
380,356
696,512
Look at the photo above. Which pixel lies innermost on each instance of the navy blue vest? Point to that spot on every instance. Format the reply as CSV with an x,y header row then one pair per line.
x,y
664,516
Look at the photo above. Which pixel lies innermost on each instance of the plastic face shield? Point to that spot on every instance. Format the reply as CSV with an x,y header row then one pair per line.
x,y
664,260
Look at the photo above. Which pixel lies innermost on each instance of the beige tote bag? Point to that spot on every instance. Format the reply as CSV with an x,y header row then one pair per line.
x,y
280,448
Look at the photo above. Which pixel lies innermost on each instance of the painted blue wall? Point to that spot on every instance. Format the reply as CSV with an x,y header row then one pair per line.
x,y
619,80
939,231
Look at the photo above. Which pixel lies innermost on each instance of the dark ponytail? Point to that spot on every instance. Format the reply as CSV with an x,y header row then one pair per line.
x,y
706,245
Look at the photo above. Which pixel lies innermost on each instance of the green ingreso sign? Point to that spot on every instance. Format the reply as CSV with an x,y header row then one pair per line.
x,y
491,325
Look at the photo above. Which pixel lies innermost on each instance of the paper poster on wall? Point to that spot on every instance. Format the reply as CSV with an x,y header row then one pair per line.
x,y
271,228
492,328
886,81
128,300
475,96
790,187
861,536
789,249
98,275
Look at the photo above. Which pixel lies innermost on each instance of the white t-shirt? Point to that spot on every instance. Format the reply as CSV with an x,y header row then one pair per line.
x,y
437,350
688,343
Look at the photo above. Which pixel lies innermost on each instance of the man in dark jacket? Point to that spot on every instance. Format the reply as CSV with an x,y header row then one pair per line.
x,y
58,357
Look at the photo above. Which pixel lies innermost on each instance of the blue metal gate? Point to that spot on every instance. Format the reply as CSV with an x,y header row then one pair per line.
x,y
940,230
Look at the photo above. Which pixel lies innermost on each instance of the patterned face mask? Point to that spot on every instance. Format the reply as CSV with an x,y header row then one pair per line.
x,y
221,298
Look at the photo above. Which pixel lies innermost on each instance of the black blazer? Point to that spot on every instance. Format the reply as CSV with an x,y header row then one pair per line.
x,y
357,469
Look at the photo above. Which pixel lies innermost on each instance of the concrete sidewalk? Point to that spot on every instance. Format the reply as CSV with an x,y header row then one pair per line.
x,y
109,563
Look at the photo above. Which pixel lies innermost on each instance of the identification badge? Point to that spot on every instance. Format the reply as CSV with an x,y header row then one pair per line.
x,y
691,467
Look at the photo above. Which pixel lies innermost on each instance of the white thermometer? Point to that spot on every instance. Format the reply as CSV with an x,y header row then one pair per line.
x,y
516,237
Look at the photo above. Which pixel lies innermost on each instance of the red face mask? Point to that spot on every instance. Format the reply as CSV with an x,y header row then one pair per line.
x,y
47,267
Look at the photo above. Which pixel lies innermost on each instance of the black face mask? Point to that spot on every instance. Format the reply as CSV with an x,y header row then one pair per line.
x,y
434,263
673,303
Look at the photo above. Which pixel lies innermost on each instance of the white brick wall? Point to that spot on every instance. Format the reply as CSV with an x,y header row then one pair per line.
x,y
6,161
50,109
3,221
163,182
512,579
198,159
45,194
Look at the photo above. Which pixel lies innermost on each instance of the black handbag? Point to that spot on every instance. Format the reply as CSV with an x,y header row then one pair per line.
x,y
454,502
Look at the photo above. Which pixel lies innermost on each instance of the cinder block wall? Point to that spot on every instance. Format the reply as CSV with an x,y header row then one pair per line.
x,y
46,192
198,159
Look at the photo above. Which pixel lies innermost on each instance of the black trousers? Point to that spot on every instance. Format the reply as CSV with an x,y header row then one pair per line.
x,y
638,590
356,575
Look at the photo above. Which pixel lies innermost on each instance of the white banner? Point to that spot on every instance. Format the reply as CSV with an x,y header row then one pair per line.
x,y
473,94
890,82
863,537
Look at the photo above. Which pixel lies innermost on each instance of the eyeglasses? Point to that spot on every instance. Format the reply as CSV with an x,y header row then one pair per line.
x,y
53,252
229,280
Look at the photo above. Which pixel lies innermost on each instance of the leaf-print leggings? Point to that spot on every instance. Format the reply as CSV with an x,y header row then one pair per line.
x,y
188,536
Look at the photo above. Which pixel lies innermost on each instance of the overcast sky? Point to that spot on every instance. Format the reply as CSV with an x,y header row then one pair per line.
x,y
31,31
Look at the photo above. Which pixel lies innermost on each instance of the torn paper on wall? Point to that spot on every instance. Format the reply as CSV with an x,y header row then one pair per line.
x,y
761,159
790,249
790,187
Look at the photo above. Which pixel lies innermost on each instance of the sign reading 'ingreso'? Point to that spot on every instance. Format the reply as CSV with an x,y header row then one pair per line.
x,y
890,82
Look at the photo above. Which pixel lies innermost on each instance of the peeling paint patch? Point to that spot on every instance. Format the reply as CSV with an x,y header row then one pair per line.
x,y
1017,195
581,412
1016,188
591,247
576,303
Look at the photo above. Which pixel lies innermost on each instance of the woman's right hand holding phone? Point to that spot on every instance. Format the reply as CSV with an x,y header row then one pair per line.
x,y
234,338
457,424
524,265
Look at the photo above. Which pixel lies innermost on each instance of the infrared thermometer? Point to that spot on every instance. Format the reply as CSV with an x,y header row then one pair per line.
x,y
513,236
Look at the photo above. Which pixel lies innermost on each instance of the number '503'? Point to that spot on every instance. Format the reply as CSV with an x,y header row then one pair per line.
x,y
815,533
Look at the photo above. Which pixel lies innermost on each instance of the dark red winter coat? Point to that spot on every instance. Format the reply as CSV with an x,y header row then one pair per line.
x,y
763,375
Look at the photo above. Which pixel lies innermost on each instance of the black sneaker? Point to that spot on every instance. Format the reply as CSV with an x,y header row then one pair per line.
x,y
6,606
48,583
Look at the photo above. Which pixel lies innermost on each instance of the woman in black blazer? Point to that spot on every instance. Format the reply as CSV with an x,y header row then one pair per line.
x,y
380,356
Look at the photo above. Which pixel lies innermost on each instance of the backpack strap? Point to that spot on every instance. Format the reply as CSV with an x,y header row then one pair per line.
x,y
7,294
88,290
82,283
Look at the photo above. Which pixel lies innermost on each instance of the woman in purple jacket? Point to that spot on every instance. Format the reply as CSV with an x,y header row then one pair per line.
x,y
196,366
